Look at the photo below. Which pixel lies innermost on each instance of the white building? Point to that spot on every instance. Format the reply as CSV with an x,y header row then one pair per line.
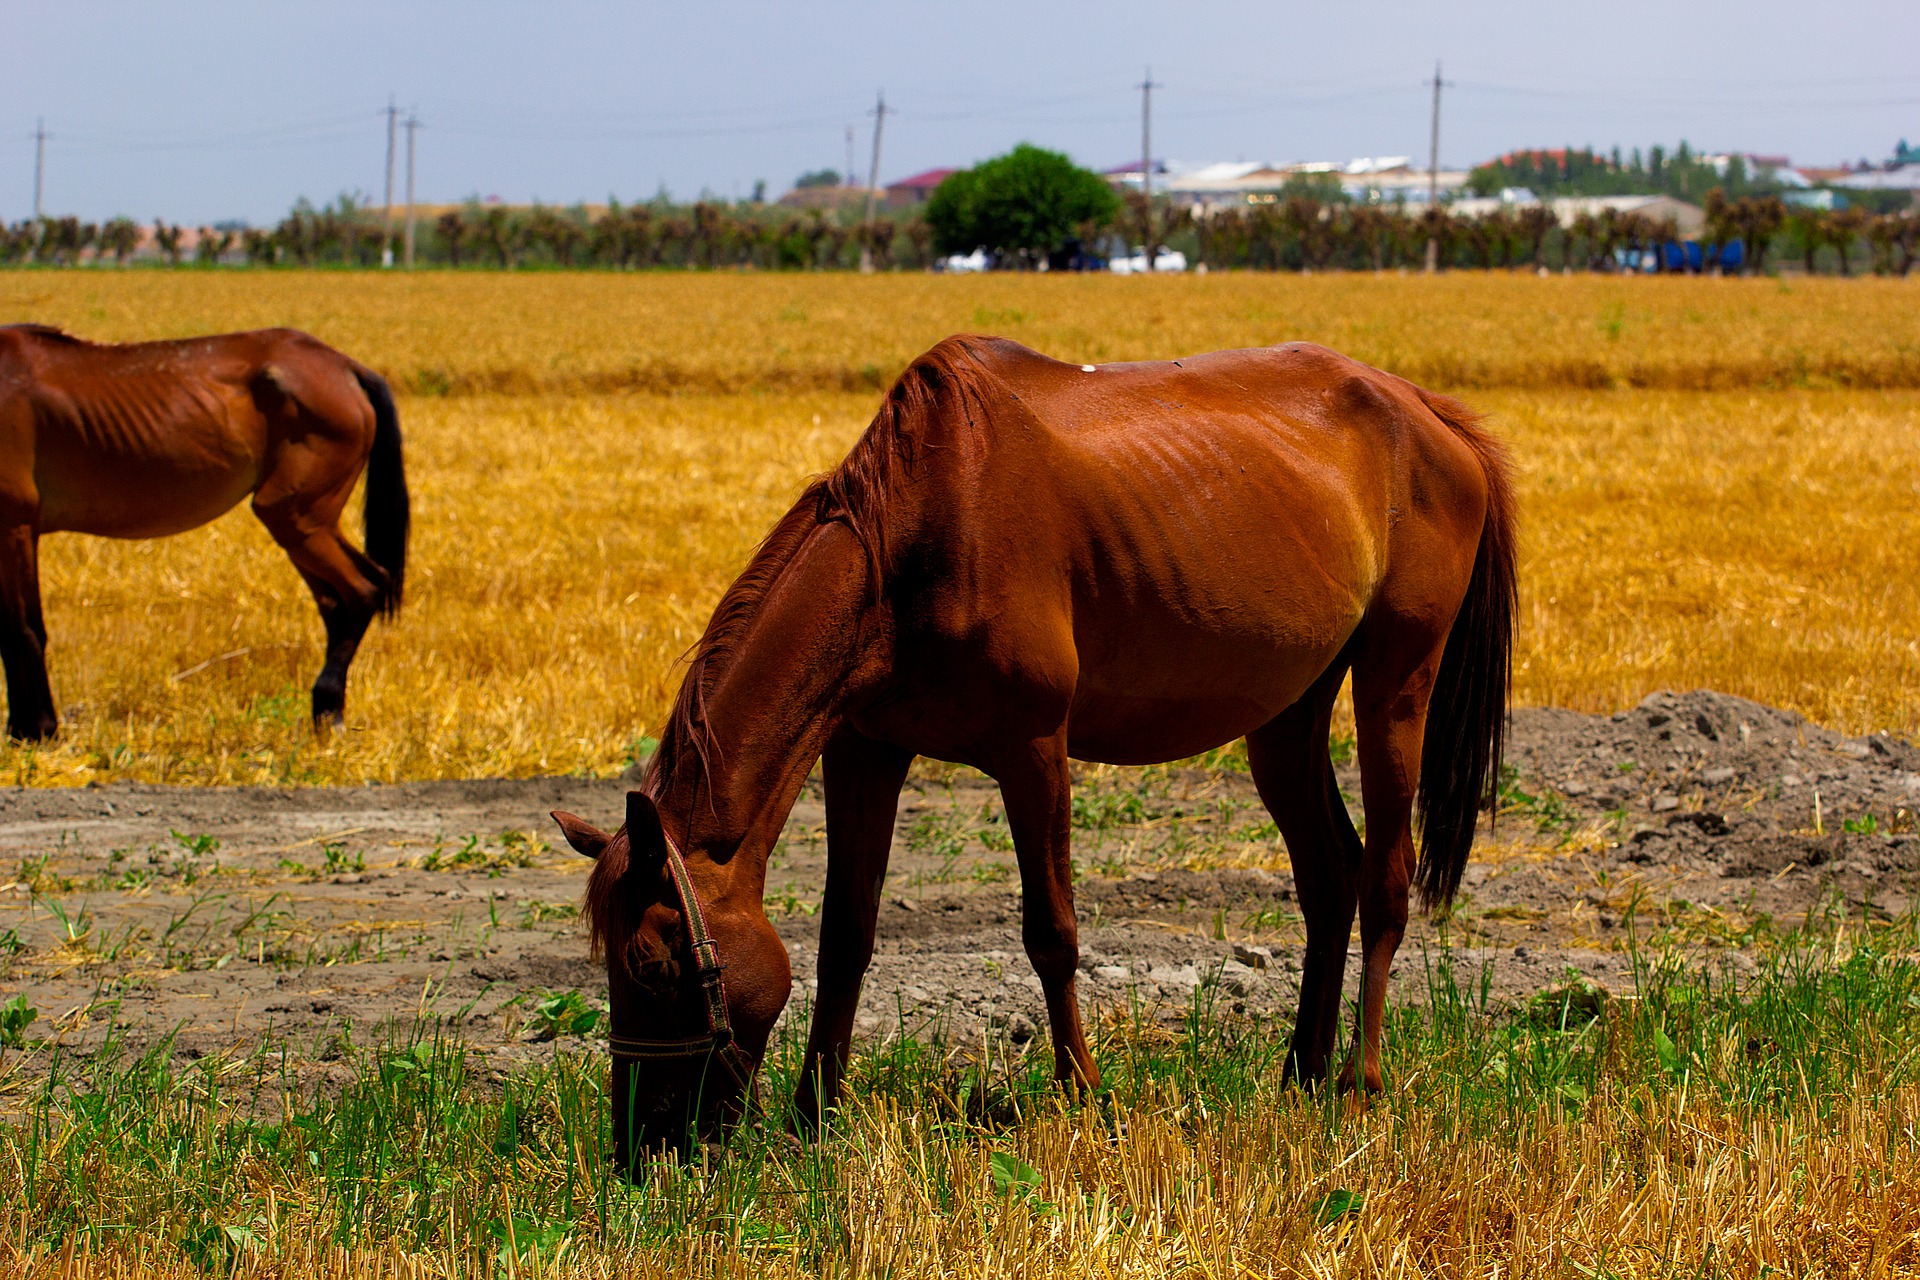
x,y
1689,219
1372,178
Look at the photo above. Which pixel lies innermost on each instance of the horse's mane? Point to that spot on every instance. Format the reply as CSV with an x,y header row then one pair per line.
x,y
860,493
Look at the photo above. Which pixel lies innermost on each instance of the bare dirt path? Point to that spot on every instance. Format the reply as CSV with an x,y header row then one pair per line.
x,y
221,915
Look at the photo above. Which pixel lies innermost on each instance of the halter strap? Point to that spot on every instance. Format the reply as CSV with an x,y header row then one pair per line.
x,y
719,1040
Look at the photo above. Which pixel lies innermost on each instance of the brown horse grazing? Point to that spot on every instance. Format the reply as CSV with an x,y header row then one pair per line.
x,y
1025,562
153,438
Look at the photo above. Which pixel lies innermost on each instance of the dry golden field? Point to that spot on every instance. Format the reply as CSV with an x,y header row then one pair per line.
x,y
1720,477
1720,483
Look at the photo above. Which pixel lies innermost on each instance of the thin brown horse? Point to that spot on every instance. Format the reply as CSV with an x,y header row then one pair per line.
x,y
155,438
1025,562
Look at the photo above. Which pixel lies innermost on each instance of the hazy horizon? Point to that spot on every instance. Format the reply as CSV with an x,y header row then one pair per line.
x,y
212,110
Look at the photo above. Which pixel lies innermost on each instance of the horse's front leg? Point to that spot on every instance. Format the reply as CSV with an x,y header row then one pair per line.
x,y
1036,787
863,780
23,636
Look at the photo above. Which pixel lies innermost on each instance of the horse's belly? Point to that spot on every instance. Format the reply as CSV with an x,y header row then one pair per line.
x,y
153,501
1165,698
145,481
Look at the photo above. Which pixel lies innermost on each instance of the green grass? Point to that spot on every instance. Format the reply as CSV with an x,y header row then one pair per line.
x,y
425,1146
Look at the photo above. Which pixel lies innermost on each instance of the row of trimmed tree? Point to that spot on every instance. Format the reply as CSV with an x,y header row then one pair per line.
x,y
1299,232
1302,234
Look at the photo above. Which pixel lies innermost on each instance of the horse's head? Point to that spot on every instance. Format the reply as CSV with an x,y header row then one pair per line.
x,y
695,980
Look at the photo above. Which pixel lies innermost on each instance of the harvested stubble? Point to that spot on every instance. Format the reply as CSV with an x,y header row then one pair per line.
x,y
570,541
1691,1130
449,333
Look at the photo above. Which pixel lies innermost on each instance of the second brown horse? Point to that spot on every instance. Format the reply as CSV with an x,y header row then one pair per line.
x,y
153,438
1025,562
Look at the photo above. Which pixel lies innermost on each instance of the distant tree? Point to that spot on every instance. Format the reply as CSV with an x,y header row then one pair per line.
x,y
559,233
295,236
833,244
63,240
642,236
453,231
344,224
1309,224
17,241
1761,218
1442,228
1843,228
212,245
1722,226
919,234
676,232
1532,225
817,178
167,238
1809,229
259,247
1883,238
120,237
504,232
1025,203
879,236
709,234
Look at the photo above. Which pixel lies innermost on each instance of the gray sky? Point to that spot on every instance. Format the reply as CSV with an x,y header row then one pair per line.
x,y
205,109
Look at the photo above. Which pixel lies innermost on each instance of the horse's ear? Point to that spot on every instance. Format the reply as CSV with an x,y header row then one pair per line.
x,y
582,835
646,839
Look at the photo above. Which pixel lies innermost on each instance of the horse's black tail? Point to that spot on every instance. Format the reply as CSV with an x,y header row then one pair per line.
x,y
1467,716
387,504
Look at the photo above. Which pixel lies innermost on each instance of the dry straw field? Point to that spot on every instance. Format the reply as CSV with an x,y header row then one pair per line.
x,y
1720,483
1719,480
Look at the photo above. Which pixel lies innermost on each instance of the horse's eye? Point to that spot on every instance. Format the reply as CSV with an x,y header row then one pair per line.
x,y
658,975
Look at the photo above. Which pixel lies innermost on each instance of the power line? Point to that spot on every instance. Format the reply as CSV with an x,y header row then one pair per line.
x,y
1433,170
879,114
1147,86
1147,247
413,124
39,163
386,220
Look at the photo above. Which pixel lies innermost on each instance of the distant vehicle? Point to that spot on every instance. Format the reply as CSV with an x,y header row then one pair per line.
x,y
1165,260
978,260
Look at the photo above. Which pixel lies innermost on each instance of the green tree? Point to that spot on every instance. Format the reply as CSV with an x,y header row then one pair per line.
x,y
1024,203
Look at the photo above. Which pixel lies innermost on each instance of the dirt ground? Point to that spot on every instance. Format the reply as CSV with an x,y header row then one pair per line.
x,y
223,915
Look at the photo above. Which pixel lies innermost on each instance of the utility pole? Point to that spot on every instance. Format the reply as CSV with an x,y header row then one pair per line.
x,y
386,237
1433,172
413,124
873,179
1147,246
847,180
39,163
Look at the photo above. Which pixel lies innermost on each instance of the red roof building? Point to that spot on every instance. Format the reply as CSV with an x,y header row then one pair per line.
x,y
911,192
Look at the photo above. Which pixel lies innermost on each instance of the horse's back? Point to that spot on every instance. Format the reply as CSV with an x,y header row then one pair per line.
x,y
1209,532
151,438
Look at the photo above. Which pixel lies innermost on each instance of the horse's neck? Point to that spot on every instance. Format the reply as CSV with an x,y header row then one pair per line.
x,y
769,708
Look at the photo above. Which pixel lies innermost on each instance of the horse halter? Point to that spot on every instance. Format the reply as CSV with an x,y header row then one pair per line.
x,y
719,1041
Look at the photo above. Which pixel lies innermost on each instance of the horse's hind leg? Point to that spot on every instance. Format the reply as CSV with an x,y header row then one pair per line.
x,y
23,635
863,780
1392,684
1294,773
344,584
